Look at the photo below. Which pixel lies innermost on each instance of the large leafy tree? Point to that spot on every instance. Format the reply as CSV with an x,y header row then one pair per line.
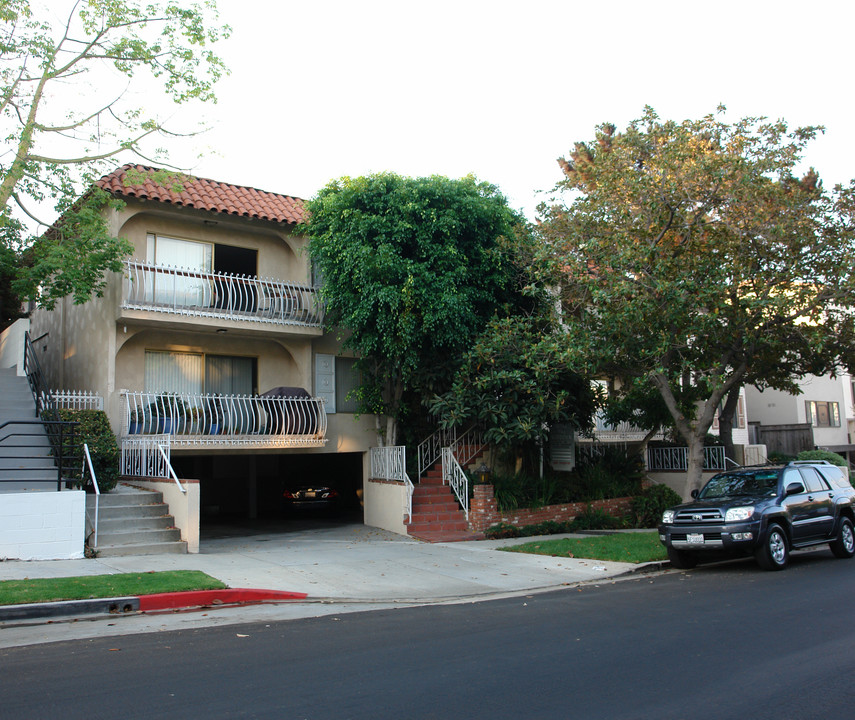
x,y
412,270
691,258
76,79
515,382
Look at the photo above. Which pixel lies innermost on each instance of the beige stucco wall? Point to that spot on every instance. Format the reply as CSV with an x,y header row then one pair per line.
x,y
100,347
281,254
384,505
183,506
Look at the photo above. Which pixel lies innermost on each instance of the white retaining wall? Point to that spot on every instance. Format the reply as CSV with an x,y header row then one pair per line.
x,y
12,345
42,525
384,505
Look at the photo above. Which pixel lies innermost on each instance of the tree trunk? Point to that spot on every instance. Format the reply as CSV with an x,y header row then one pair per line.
x,y
725,421
695,471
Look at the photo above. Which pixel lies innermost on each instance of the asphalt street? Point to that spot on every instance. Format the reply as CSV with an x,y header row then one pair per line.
x,y
718,642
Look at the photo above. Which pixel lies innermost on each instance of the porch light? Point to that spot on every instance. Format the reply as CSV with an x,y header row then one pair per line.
x,y
221,330
483,473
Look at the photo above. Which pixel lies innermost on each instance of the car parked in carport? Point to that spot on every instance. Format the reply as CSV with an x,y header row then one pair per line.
x,y
311,498
766,511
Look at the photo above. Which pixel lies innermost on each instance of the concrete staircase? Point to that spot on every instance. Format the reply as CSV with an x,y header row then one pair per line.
x,y
134,522
19,473
437,517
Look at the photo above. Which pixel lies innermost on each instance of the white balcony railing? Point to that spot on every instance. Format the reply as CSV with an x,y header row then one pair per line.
x,y
226,420
219,295
677,458
624,431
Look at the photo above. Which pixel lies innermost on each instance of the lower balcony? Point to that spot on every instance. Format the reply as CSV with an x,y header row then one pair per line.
x,y
287,420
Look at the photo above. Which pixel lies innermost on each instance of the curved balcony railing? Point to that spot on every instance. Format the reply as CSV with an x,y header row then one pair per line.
x,y
226,420
219,295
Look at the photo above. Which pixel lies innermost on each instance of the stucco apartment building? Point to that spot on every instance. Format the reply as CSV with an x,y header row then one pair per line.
x,y
217,307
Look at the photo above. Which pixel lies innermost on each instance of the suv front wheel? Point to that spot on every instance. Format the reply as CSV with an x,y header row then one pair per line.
x,y
844,545
682,560
773,554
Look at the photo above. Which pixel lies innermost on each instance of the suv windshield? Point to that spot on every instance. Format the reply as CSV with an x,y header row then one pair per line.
x,y
762,482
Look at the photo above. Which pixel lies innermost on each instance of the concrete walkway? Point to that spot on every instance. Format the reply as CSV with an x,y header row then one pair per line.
x,y
345,568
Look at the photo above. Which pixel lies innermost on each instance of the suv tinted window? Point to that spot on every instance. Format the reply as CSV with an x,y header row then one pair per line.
x,y
762,482
792,475
836,476
813,482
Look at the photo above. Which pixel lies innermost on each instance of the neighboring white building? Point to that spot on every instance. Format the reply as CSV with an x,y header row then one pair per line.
x,y
825,403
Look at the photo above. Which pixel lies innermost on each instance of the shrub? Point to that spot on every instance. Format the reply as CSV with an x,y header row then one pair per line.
x,y
647,508
547,527
831,457
95,431
502,530
595,519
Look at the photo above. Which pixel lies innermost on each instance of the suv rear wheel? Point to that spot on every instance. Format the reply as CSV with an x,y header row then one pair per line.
x,y
773,554
844,545
681,559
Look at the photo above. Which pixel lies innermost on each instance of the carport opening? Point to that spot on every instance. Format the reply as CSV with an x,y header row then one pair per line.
x,y
246,494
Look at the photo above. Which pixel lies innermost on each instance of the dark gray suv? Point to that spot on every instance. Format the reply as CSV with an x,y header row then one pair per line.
x,y
765,511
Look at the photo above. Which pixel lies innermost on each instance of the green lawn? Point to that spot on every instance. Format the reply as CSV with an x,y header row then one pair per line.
x,y
14,592
635,547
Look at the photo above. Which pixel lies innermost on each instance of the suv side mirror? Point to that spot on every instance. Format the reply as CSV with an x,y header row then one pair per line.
x,y
695,493
795,488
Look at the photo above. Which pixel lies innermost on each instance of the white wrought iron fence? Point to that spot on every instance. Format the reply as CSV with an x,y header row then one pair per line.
x,y
390,463
677,458
219,295
147,456
217,419
77,400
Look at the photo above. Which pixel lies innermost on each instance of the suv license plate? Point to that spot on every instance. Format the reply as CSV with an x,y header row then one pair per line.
x,y
695,538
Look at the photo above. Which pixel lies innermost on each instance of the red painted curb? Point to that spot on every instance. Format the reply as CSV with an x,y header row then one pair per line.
x,y
199,598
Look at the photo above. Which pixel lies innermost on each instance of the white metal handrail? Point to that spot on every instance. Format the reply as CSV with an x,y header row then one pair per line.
x,y
162,288
430,449
210,419
169,467
87,462
453,475
468,445
677,458
390,463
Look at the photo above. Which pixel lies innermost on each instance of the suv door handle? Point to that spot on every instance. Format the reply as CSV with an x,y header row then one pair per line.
x,y
810,498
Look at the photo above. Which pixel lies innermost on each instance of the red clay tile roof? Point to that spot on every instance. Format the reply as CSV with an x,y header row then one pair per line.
x,y
204,194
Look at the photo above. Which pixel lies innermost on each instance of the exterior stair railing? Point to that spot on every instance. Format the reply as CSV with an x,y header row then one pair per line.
x,y
454,476
465,446
390,463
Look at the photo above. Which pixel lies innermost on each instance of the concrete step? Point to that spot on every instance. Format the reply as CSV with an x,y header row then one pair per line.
x,y
157,548
131,512
137,537
443,536
111,525
125,499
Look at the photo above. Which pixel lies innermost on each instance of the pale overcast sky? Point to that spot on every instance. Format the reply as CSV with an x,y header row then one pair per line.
x,y
501,89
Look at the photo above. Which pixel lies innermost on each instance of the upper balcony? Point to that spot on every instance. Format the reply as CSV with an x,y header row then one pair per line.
x,y
195,294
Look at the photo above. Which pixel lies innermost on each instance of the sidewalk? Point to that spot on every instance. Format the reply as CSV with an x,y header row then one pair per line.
x,y
340,569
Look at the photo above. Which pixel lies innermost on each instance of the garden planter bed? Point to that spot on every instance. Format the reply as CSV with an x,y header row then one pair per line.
x,y
484,512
